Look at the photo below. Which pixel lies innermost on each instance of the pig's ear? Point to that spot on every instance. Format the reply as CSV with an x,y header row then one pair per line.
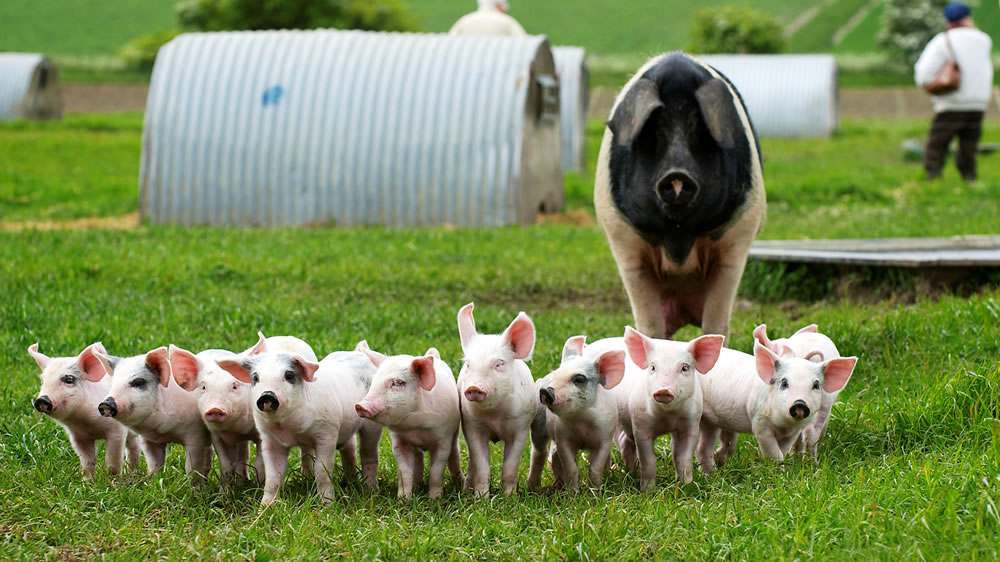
x,y
760,334
718,108
184,366
238,368
157,362
705,351
39,358
423,369
259,347
810,329
520,336
611,366
433,352
375,357
634,109
466,324
638,346
573,347
107,366
766,362
90,364
308,367
836,373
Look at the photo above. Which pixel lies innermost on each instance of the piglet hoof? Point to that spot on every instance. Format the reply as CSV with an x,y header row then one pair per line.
x,y
647,485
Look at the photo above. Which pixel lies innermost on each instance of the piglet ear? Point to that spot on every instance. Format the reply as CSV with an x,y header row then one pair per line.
x,y
238,368
157,362
423,369
466,324
184,367
810,329
611,366
760,334
94,373
706,351
433,352
375,357
836,373
308,367
39,358
766,362
520,335
638,346
573,347
259,347
90,364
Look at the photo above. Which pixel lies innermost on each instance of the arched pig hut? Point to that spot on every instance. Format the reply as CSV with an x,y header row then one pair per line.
x,y
29,87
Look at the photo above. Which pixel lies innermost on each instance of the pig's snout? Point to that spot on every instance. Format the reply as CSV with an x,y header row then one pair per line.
x,y
108,408
363,411
216,415
267,402
799,410
475,394
663,396
43,404
547,396
677,188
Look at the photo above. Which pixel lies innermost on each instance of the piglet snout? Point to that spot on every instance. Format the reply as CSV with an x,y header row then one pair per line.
x,y
216,415
108,408
43,404
475,394
363,412
799,410
663,396
547,395
267,402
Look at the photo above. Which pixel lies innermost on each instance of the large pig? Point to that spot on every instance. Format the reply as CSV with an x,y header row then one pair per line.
x,y
665,397
679,194
301,403
497,397
224,402
416,398
71,389
770,396
809,344
582,410
144,398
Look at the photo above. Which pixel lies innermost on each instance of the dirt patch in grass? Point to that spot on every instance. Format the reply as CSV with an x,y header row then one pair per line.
x,y
578,217
533,297
124,222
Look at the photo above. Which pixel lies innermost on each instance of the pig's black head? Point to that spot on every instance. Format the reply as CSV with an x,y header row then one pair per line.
x,y
681,161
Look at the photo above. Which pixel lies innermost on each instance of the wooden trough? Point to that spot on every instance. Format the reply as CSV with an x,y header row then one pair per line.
x,y
960,252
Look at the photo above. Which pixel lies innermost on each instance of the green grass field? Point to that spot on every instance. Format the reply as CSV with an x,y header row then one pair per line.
x,y
910,468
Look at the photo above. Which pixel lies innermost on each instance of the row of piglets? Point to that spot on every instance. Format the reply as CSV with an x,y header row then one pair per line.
x,y
698,392
626,390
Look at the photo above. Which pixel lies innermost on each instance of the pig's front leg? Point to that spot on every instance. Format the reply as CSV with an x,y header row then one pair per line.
x,y
86,449
682,446
114,449
349,458
275,465
567,459
455,460
720,294
156,455
197,457
227,457
307,458
785,443
326,455
439,461
644,295
627,447
729,440
600,457
133,449
512,452
243,459
258,462
539,449
478,477
767,442
403,452
370,434
708,435
644,440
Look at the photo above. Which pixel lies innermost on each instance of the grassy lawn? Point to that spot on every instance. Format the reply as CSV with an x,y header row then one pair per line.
x,y
910,468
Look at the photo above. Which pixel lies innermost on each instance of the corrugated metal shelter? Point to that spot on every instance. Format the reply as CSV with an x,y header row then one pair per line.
x,y
574,96
29,87
297,127
786,95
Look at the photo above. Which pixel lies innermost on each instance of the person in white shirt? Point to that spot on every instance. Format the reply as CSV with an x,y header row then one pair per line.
x,y
490,19
959,112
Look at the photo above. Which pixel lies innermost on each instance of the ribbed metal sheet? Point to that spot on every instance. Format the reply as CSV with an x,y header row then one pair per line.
x,y
17,71
786,95
297,127
574,93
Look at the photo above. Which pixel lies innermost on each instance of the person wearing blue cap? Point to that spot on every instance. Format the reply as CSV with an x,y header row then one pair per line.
x,y
958,112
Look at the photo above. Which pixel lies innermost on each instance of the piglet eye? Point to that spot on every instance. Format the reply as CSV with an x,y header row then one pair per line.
x,y
236,386
289,376
579,379
138,384
203,387
685,368
499,366
68,379
815,385
254,379
652,367
784,384
398,383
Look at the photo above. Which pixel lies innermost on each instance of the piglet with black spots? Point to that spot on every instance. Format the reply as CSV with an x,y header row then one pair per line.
x,y
71,389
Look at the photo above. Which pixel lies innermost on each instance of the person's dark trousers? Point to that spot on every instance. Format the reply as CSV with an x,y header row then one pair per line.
x,y
968,126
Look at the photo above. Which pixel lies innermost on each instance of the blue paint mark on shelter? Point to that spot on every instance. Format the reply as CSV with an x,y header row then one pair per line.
x,y
272,95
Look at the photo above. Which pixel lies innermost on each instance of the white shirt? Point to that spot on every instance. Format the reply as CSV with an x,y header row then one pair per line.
x,y
487,21
972,50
